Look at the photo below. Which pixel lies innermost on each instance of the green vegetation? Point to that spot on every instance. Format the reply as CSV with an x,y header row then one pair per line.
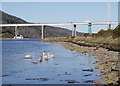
x,y
104,38
6,35
31,31
114,33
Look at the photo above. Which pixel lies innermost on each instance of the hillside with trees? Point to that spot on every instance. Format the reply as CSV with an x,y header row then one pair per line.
x,y
31,31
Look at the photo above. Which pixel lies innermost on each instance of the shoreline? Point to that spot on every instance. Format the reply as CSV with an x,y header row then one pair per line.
x,y
19,39
107,63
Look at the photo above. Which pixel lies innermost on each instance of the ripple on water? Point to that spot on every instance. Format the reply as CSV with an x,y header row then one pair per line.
x,y
67,66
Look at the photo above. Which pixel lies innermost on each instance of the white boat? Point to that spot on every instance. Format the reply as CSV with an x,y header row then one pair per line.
x,y
18,37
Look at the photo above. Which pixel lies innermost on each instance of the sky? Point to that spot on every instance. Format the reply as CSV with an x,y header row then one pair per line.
x,y
47,12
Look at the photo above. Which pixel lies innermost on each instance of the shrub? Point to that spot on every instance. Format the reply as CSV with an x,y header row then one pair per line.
x,y
101,31
6,35
116,32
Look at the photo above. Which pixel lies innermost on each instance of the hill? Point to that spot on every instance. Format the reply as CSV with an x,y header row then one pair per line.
x,y
31,31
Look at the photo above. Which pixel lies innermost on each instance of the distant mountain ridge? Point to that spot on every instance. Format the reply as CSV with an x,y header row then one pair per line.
x,y
31,31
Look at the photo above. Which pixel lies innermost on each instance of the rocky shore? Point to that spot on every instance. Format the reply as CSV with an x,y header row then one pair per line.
x,y
108,60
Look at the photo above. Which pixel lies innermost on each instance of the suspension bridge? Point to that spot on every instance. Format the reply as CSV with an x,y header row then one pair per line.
x,y
73,24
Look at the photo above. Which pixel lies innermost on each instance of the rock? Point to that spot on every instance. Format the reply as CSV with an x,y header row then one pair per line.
x,y
66,73
56,64
34,62
91,70
43,79
101,71
89,81
114,70
97,68
71,81
3,75
104,75
88,75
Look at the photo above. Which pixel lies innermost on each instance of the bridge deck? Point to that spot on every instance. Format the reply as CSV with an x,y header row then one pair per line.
x,y
66,23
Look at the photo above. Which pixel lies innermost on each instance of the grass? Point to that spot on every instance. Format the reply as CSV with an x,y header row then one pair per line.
x,y
108,40
104,38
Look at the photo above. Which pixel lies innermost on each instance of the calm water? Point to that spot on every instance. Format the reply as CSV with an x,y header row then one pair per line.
x,y
66,66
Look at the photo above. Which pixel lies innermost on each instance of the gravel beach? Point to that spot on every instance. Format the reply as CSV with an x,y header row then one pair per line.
x,y
108,61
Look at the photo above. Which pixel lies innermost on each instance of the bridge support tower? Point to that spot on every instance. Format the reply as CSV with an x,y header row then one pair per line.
x,y
16,31
109,26
42,31
73,30
89,28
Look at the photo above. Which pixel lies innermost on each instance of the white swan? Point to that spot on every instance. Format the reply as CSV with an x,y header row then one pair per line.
x,y
50,56
28,57
47,56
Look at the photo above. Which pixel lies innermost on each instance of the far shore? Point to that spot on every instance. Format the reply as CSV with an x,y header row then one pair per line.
x,y
20,39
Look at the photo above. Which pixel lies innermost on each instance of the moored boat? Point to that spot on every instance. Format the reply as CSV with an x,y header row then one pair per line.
x,y
18,37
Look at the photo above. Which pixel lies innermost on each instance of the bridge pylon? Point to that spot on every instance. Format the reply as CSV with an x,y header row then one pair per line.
x,y
73,29
109,26
42,31
16,31
89,28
